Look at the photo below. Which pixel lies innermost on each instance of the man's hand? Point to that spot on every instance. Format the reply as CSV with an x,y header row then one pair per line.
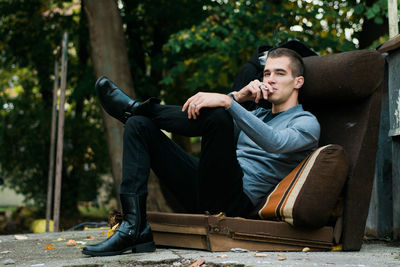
x,y
254,91
202,100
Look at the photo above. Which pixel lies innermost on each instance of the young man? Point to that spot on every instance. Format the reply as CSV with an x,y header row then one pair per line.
x,y
244,154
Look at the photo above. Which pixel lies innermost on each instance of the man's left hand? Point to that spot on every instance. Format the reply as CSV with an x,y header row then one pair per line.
x,y
205,100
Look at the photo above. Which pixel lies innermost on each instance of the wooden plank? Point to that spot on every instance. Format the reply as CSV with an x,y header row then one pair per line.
x,y
181,240
268,228
182,229
280,240
220,243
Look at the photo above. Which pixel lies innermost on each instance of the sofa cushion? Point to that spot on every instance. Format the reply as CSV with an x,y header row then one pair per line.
x,y
309,193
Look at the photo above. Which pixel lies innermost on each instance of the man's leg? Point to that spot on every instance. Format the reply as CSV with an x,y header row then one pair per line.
x,y
220,186
145,147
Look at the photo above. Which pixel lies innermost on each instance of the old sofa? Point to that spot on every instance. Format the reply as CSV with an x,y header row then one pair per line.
x,y
344,92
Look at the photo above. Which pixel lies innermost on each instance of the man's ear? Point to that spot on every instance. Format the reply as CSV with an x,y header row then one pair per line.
x,y
298,82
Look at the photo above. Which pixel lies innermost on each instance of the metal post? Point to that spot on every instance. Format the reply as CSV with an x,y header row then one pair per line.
x,y
394,107
394,133
60,135
52,145
393,18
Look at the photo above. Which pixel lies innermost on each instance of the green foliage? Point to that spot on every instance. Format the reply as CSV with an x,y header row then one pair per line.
x,y
176,48
207,56
149,24
30,35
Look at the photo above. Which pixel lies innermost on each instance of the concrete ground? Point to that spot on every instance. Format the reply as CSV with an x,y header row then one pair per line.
x,y
56,249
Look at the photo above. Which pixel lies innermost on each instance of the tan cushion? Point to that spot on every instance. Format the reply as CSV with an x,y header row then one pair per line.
x,y
307,196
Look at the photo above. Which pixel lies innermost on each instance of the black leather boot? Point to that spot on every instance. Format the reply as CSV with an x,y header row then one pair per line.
x,y
117,103
134,233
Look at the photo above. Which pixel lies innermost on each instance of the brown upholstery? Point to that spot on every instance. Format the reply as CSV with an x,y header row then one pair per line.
x,y
343,92
308,195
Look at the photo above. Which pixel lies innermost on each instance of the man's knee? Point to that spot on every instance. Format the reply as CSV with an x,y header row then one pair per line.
x,y
219,117
137,124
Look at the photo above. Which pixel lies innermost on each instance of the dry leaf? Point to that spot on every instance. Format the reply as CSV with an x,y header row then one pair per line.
x,y
71,243
222,256
102,233
281,257
260,255
20,237
60,239
112,230
240,250
198,263
49,246
90,237
80,247
8,262
5,252
306,249
337,247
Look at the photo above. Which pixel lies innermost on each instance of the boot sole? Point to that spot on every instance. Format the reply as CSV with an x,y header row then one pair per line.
x,y
139,248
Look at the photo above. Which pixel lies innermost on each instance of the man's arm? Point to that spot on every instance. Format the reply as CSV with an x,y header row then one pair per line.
x,y
251,92
303,133
202,100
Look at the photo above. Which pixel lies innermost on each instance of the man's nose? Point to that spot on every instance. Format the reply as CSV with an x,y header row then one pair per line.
x,y
271,78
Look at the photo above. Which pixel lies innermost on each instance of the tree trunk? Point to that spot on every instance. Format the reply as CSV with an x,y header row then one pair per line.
x,y
109,56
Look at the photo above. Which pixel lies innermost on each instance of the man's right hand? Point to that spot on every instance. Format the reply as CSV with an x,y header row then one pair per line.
x,y
253,92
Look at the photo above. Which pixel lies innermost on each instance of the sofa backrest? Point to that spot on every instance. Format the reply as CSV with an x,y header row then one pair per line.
x,y
338,89
343,92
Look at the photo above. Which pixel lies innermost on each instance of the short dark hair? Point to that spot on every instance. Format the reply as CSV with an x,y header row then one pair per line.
x,y
296,61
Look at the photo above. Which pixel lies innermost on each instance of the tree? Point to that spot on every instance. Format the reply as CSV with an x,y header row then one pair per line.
x,y
208,55
109,56
30,34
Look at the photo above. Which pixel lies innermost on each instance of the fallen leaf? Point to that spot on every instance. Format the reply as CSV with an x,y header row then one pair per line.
x,y
281,257
49,246
222,256
112,230
60,239
102,233
260,255
5,252
306,249
198,263
337,247
90,237
20,237
81,242
8,262
221,214
80,247
240,250
71,242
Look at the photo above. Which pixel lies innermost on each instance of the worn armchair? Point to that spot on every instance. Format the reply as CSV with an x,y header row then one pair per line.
x,y
344,92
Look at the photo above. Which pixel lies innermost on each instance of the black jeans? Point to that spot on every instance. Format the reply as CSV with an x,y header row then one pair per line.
x,y
212,182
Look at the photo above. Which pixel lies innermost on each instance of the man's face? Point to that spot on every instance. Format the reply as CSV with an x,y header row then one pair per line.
x,y
278,76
